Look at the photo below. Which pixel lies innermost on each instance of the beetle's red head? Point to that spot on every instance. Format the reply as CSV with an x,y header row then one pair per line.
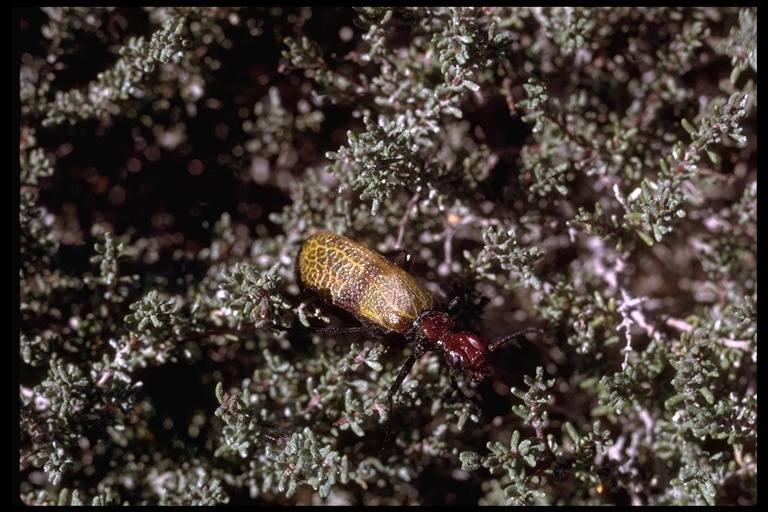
x,y
466,353
463,351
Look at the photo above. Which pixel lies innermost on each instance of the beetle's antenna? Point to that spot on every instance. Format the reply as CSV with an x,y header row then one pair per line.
x,y
496,344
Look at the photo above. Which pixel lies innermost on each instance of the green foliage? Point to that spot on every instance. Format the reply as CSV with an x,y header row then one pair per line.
x,y
252,296
589,172
138,59
522,461
502,247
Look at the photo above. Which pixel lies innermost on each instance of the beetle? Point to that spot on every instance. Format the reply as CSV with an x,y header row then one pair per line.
x,y
379,293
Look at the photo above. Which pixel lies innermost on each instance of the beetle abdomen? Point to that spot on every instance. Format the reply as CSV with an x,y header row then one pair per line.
x,y
361,281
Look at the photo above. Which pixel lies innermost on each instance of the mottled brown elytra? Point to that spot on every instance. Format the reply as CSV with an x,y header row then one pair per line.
x,y
379,293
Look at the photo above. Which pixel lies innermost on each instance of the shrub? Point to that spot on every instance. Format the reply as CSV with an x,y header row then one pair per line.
x,y
587,171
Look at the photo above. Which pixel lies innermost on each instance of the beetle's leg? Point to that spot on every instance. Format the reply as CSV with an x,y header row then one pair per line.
x,y
310,293
465,307
470,399
417,352
391,394
407,258
322,330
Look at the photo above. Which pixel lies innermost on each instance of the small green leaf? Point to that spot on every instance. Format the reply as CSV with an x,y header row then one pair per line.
x,y
687,126
674,400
